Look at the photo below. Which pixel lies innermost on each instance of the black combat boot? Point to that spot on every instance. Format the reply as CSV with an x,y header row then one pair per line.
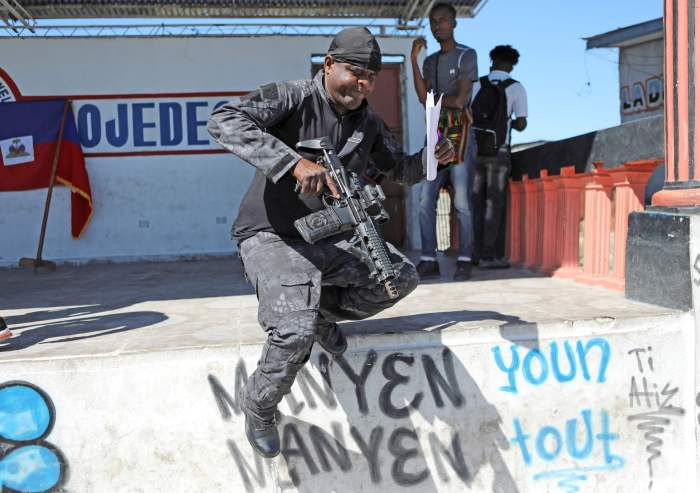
x,y
330,337
262,436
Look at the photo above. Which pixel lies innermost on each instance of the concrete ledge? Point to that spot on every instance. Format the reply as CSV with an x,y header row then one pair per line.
x,y
475,409
124,378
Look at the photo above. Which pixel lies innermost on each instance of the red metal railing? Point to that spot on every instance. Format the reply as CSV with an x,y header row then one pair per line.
x,y
545,215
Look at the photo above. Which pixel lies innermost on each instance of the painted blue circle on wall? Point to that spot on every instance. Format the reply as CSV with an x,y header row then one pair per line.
x,y
24,413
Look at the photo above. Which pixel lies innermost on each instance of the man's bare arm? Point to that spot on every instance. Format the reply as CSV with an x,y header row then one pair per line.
x,y
421,85
460,100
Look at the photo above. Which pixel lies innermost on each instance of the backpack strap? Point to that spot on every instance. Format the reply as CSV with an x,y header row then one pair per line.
x,y
485,82
461,55
437,62
506,83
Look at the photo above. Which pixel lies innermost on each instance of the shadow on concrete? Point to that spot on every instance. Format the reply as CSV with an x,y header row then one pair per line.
x,y
448,259
75,324
513,328
121,285
402,447
311,471
479,274
91,291
406,452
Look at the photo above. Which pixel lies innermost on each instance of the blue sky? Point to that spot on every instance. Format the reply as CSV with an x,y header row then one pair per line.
x,y
570,90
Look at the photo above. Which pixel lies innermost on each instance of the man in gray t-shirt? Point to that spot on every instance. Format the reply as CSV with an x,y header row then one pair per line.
x,y
450,72
445,71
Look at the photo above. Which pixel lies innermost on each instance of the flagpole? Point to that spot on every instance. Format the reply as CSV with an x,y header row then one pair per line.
x,y
38,261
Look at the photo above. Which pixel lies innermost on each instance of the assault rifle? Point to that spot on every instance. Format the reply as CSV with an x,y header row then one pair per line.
x,y
357,209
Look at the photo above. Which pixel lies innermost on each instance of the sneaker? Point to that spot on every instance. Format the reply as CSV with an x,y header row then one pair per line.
x,y
494,263
463,271
427,269
330,337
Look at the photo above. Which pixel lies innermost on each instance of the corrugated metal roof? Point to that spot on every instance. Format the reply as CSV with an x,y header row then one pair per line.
x,y
400,9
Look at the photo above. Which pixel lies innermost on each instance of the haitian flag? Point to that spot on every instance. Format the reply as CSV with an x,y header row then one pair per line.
x,y
28,139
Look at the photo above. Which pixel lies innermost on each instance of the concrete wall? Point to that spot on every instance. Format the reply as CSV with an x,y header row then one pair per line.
x,y
175,204
694,248
590,406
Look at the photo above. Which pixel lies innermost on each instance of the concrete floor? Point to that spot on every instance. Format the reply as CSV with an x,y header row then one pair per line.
x,y
109,309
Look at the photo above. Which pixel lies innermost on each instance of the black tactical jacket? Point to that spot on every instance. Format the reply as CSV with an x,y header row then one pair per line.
x,y
263,128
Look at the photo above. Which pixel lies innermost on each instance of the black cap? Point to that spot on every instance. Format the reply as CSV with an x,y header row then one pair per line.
x,y
357,46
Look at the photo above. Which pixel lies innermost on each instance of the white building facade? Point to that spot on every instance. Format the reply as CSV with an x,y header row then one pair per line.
x,y
641,57
161,189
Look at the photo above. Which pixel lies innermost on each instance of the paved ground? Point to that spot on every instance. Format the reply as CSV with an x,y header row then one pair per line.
x,y
117,308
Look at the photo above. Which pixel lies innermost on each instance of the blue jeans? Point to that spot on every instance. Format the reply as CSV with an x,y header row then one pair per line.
x,y
460,176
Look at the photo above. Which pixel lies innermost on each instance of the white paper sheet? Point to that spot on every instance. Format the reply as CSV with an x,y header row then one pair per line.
x,y
432,116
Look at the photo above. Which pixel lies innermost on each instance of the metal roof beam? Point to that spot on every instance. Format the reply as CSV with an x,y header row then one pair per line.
x,y
206,30
428,6
410,9
13,11
404,10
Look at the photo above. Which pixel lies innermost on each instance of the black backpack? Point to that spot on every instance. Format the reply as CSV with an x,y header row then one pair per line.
x,y
490,113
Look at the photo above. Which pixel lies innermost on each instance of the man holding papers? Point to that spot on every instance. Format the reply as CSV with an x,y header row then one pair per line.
x,y
448,73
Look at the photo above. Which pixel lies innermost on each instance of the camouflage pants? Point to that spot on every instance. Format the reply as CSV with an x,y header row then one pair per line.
x,y
300,287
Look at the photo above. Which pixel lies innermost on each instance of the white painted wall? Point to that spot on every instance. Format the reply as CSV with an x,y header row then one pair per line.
x,y
694,250
641,80
154,206
150,422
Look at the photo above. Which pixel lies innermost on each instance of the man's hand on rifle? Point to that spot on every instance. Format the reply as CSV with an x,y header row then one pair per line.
x,y
313,177
444,151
